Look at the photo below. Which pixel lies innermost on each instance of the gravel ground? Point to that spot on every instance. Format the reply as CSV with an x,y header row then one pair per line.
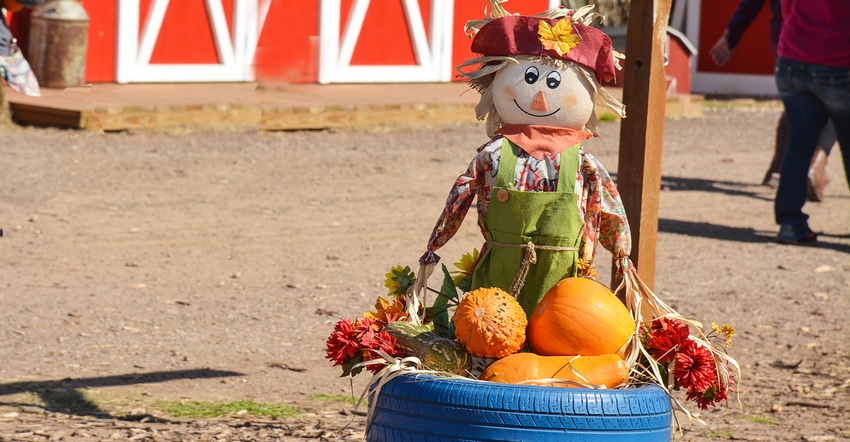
x,y
137,268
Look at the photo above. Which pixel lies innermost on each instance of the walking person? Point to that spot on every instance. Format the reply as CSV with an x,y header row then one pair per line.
x,y
813,78
721,53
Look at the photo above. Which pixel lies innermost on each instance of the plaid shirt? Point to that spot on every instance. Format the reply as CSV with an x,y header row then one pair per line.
x,y
744,16
598,199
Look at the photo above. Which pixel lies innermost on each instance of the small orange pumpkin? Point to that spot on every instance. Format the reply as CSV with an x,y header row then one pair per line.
x,y
579,316
609,370
490,323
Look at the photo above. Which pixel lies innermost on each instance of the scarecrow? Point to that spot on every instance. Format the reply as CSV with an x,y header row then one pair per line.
x,y
544,202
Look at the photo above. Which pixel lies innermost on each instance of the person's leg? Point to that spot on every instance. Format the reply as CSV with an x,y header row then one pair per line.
x,y
827,138
806,116
771,178
817,179
832,87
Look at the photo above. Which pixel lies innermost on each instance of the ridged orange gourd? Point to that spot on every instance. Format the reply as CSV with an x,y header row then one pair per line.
x,y
609,370
490,323
579,316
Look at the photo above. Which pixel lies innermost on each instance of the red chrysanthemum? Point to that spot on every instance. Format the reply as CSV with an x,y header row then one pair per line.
x,y
712,395
695,367
703,398
384,342
343,342
666,338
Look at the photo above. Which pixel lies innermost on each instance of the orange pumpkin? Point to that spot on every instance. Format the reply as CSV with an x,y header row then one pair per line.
x,y
609,370
490,323
579,316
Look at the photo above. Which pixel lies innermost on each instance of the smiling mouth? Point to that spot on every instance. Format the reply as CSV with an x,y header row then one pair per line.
x,y
534,115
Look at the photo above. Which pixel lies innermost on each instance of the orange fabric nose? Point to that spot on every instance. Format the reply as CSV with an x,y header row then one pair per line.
x,y
539,103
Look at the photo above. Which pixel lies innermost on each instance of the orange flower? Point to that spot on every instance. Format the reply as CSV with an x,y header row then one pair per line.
x,y
385,312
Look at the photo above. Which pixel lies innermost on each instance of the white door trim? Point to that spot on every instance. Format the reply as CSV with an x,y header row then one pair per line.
x,y
235,45
433,56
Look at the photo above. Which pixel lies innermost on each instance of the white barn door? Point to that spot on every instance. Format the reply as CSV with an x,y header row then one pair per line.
x,y
433,55
235,43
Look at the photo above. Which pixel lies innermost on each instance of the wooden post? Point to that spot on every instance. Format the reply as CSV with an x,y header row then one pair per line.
x,y
642,131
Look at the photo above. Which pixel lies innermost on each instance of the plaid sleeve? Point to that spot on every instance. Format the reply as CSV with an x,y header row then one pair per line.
x,y
605,219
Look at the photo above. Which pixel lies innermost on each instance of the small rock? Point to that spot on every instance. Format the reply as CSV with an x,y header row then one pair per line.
x,y
31,409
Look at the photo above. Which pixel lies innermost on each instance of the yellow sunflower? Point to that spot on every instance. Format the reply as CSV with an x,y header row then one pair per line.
x,y
465,266
399,279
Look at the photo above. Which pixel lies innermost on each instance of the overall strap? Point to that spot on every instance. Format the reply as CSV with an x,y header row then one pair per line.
x,y
507,164
569,168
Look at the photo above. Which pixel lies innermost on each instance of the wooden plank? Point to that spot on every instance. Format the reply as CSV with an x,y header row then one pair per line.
x,y
642,131
67,108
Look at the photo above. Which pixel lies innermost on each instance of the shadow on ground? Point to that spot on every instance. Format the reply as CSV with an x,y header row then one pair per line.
x,y
742,234
66,396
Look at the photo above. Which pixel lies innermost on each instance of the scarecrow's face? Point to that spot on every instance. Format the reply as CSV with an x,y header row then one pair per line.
x,y
543,94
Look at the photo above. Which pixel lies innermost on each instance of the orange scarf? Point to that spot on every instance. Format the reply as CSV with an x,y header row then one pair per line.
x,y
541,141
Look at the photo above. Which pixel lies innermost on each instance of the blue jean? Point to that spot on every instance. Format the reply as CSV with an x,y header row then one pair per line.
x,y
811,95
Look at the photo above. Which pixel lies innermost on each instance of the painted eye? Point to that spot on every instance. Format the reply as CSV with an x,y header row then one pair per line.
x,y
531,75
552,80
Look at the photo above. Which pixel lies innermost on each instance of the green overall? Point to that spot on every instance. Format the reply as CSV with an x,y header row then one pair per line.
x,y
515,220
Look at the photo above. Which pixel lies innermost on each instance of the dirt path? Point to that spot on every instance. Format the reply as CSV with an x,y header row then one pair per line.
x,y
137,268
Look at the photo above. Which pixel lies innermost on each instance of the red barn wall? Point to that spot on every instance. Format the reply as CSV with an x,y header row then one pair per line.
x,y
753,55
679,66
288,44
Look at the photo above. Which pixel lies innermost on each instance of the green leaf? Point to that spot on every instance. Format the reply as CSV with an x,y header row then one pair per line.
x,y
445,299
351,362
465,285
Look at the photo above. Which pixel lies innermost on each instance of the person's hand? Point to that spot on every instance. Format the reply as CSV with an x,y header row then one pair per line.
x,y
720,52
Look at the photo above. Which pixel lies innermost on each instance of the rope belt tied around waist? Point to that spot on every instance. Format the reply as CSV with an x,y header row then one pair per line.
x,y
528,259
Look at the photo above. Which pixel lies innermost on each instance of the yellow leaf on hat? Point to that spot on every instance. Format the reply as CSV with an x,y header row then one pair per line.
x,y
559,38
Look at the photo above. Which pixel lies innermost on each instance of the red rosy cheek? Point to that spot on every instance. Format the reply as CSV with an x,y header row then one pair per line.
x,y
509,93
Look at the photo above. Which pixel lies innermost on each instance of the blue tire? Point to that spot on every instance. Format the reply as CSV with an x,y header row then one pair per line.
x,y
427,408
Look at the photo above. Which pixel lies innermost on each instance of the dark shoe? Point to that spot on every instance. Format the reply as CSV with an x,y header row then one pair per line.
x,y
791,235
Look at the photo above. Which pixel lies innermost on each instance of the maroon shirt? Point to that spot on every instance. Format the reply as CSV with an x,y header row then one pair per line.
x,y
816,32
